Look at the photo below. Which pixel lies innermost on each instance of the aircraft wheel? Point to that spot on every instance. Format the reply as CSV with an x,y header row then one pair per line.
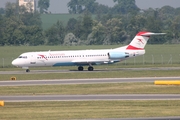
x,y
80,68
90,68
27,70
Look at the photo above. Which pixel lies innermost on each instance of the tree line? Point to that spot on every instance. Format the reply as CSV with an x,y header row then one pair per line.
x,y
112,25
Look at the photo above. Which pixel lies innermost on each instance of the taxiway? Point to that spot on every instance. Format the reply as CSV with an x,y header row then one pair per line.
x,y
83,81
30,98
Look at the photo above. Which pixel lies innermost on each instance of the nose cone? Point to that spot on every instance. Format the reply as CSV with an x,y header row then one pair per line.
x,y
15,63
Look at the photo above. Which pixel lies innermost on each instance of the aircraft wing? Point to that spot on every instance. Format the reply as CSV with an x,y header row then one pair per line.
x,y
88,62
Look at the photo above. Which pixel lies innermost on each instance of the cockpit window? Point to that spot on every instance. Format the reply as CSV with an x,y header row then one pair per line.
x,y
25,57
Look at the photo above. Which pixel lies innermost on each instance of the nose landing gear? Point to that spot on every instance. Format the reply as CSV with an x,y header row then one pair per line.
x,y
27,70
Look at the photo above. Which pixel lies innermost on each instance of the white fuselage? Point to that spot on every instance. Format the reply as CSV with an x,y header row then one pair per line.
x,y
71,58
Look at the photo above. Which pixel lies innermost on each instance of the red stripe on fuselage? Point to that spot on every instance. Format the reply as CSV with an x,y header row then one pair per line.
x,y
130,47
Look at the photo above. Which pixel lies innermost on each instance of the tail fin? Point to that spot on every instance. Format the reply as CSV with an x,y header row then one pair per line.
x,y
140,40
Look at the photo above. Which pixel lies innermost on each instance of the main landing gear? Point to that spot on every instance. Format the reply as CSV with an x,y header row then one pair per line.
x,y
80,68
90,68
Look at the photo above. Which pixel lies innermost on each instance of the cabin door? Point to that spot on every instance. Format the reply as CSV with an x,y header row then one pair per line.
x,y
33,59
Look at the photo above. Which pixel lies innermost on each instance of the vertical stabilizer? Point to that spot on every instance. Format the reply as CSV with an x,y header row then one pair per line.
x,y
140,40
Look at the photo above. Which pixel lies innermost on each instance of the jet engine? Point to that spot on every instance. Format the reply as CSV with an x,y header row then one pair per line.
x,y
118,55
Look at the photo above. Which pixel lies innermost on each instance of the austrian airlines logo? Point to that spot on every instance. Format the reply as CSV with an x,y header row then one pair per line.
x,y
43,56
140,40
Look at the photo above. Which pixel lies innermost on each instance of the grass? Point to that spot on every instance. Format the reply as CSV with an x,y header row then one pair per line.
x,y
89,109
48,20
84,89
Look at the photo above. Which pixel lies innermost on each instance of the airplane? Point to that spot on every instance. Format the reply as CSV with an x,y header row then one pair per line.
x,y
82,58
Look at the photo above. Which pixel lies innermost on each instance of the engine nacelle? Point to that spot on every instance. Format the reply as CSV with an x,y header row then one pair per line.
x,y
118,55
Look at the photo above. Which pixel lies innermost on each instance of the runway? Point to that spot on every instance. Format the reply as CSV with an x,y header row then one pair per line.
x,y
83,81
30,98
104,97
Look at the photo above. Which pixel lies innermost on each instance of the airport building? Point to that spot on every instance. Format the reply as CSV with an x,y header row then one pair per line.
x,y
29,4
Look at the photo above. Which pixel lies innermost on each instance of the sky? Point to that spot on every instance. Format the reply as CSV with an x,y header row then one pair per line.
x,y
60,6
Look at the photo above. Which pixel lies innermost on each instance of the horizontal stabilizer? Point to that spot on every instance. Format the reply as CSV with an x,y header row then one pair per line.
x,y
150,33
